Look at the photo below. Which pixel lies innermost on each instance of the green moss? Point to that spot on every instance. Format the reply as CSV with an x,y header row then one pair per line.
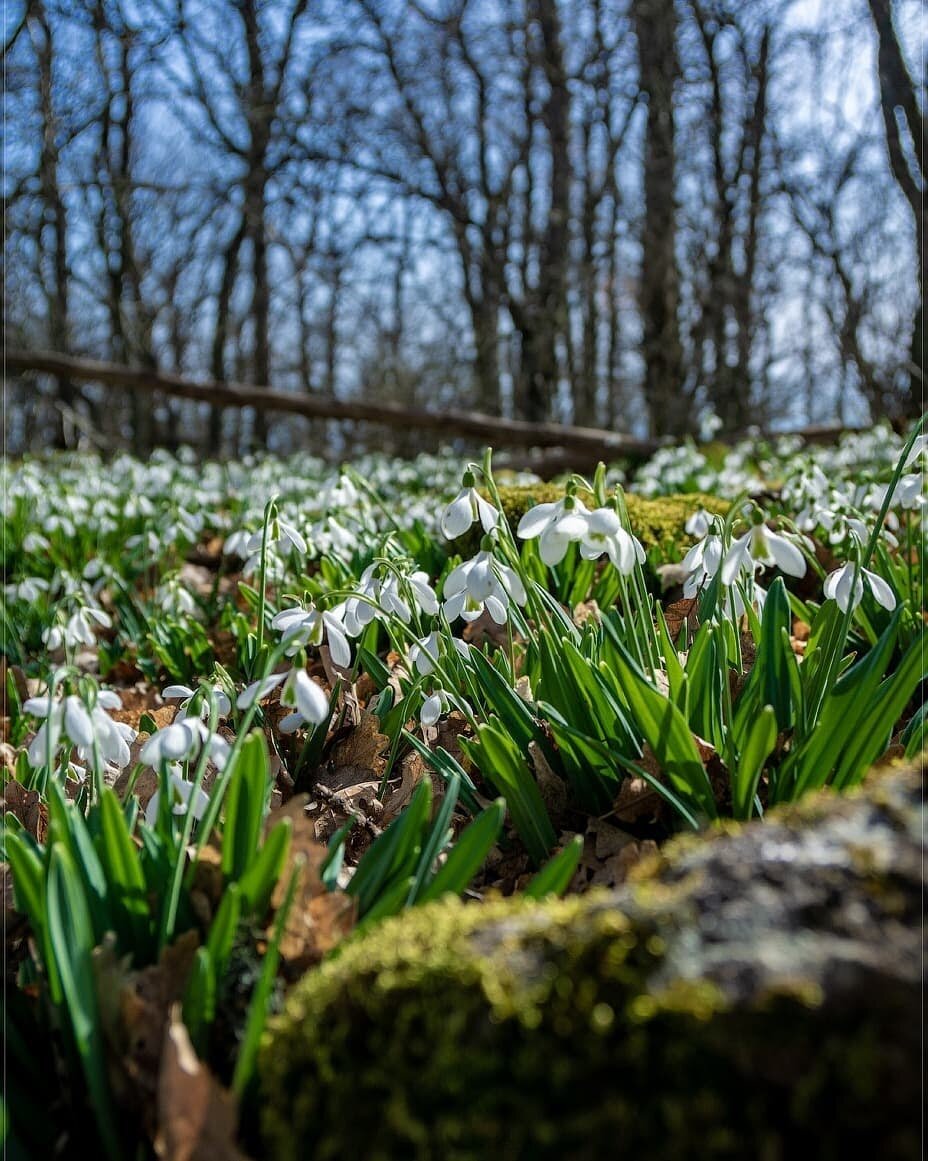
x,y
711,1010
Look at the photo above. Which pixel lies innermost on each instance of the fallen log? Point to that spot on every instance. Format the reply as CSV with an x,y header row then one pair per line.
x,y
589,442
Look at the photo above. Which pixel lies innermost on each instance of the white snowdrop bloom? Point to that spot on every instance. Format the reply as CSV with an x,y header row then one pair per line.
x,y
258,690
392,602
910,492
308,699
847,590
467,507
761,546
604,533
98,738
236,544
556,525
29,588
703,559
423,593
424,653
433,707
182,741
184,693
183,793
699,523
918,447
35,542
300,627
479,583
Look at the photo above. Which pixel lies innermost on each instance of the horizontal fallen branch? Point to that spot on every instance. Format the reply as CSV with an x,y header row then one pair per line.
x,y
591,443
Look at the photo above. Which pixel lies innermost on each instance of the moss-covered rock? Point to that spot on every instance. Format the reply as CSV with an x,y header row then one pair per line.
x,y
657,523
753,994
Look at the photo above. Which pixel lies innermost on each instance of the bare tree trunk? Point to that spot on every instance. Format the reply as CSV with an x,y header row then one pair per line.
x,y
54,213
898,101
659,294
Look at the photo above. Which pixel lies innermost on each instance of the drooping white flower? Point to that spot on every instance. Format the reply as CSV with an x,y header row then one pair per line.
x,y
556,525
478,583
847,589
182,741
258,690
701,563
98,738
184,693
312,626
424,653
433,707
761,546
306,697
467,507
699,523
604,533
182,796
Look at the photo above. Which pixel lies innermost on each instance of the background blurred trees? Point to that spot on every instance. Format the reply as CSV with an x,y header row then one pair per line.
x,y
610,212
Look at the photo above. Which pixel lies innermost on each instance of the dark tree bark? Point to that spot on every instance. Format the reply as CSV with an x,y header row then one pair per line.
x,y
668,407
899,106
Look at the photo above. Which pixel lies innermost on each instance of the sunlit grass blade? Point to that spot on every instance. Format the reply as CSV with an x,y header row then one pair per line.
x,y
555,876
467,855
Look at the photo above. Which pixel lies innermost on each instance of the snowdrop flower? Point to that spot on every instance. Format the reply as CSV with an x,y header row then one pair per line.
x,y
479,583
30,589
847,589
556,525
702,563
184,791
236,544
433,707
77,630
424,653
185,693
258,690
604,533
761,546
98,738
308,699
467,507
699,523
182,741
311,626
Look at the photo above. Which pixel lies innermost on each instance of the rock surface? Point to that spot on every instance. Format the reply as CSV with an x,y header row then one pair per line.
x,y
751,994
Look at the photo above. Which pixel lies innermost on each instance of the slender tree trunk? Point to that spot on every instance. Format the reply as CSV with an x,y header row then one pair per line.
x,y
898,101
659,294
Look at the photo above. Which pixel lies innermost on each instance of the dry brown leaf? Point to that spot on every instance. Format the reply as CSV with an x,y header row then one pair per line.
x,y
412,772
318,918
28,807
680,613
197,1118
360,756
143,1004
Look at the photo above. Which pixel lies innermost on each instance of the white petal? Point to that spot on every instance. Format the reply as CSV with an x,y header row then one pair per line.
x,y
182,691
458,516
338,644
552,547
882,593
489,517
787,556
310,700
602,520
77,723
258,690
536,520
431,710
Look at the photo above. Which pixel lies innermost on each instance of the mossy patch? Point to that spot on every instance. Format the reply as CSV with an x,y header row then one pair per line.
x,y
752,997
